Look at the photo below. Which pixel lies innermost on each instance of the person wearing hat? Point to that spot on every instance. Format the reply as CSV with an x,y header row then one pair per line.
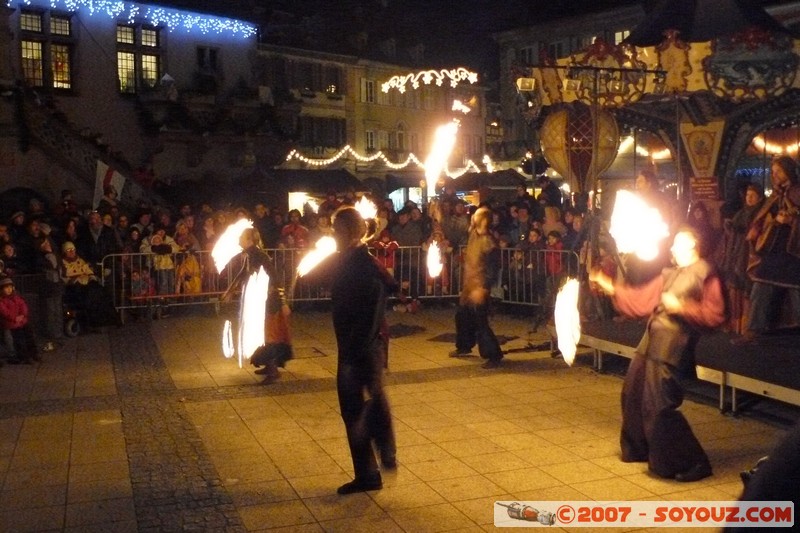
x,y
16,226
83,289
19,336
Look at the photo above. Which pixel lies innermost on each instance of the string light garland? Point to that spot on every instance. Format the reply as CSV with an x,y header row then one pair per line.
x,y
348,151
438,77
172,19
626,143
761,144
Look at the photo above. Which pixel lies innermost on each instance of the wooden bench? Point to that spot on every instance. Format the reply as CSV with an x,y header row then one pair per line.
x,y
770,368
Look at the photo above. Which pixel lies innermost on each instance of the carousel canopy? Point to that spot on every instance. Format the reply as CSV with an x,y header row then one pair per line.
x,y
702,20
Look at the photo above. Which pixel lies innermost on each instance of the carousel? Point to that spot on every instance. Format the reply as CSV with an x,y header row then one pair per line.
x,y
706,92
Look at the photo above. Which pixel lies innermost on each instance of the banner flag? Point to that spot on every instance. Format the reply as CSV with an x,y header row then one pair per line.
x,y
106,176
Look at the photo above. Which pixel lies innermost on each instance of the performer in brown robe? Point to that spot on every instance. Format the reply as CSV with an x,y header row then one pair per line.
x,y
479,272
681,302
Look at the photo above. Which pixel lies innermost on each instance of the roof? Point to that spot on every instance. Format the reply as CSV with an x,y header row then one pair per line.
x,y
303,180
399,180
472,181
702,20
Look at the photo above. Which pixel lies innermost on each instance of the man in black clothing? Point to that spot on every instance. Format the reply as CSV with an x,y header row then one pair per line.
x,y
96,241
358,294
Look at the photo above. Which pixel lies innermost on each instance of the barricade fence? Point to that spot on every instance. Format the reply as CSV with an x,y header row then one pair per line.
x,y
146,280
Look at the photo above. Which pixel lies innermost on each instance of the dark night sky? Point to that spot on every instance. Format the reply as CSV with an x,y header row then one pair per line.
x,y
453,33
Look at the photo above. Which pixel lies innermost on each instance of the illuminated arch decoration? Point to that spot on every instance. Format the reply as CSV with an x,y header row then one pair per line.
x,y
171,19
427,77
348,150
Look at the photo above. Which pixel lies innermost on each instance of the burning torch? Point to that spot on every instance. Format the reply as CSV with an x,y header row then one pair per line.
x,y
637,228
443,142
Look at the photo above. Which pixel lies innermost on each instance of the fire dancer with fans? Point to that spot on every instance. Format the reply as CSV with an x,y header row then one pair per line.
x,y
277,349
682,302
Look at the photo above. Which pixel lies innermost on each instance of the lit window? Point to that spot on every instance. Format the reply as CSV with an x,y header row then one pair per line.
x,y
32,65
126,35
60,26
46,46
31,22
149,37
60,58
149,70
126,70
138,61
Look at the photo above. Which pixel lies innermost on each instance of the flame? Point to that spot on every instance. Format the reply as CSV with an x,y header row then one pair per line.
x,y
434,260
458,105
443,142
366,209
324,247
227,246
568,320
637,227
227,340
254,309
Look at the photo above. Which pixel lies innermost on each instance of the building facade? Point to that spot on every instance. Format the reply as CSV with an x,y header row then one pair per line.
x,y
138,87
180,102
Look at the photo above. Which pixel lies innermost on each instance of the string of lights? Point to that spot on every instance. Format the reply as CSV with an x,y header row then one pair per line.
x,y
171,19
760,143
348,151
438,77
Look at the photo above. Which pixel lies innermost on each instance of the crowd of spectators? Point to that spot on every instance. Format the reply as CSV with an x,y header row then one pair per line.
x,y
541,238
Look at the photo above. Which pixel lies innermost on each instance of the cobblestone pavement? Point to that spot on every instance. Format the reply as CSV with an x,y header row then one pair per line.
x,y
148,428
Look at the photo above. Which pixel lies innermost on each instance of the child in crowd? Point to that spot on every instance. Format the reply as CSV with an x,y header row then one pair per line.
x,y
18,332
141,284
385,248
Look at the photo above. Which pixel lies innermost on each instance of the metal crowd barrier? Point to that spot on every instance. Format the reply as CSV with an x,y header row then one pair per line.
x,y
154,281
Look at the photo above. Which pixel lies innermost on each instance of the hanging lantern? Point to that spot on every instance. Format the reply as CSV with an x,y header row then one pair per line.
x,y
578,147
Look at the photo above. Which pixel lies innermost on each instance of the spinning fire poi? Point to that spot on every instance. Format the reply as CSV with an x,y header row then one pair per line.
x,y
637,228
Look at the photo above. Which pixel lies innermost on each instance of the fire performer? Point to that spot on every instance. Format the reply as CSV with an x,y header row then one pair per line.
x,y
681,303
359,287
479,274
278,347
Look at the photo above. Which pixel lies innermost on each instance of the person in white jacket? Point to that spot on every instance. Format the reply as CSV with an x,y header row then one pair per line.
x,y
162,262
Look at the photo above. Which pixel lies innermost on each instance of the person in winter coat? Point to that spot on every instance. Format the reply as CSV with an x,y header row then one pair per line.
x,y
14,320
